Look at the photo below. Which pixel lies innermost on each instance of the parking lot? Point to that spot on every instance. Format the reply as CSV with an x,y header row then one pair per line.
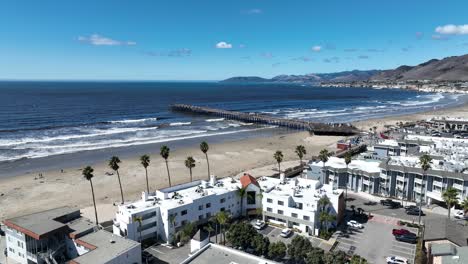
x,y
375,241
165,255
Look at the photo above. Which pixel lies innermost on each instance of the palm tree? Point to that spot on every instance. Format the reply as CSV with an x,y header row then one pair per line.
x,y
114,164
190,164
172,219
323,202
208,228
464,204
278,156
241,193
450,196
88,175
222,218
425,161
323,156
139,220
204,148
165,154
323,218
301,151
347,159
145,161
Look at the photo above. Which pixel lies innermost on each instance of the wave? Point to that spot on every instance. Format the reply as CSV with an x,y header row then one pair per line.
x,y
215,120
126,121
180,123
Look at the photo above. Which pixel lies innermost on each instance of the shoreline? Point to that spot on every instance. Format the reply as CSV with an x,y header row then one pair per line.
x,y
23,194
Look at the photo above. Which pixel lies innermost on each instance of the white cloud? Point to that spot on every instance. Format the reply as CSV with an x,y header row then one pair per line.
x,y
223,45
317,48
98,40
452,29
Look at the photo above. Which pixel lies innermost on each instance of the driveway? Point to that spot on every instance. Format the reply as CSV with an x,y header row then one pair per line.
x,y
375,241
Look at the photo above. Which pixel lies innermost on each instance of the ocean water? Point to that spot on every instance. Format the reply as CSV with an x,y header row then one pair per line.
x,y
41,119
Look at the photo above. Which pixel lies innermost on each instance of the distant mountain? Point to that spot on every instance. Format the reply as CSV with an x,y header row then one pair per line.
x,y
453,68
346,76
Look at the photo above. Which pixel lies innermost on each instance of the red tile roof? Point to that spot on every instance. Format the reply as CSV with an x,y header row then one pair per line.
x,y
247,179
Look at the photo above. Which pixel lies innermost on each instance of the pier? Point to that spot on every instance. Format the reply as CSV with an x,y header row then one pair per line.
x,y
336,129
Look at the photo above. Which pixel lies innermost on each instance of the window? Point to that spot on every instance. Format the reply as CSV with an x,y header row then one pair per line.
x,y
12,250
200,217
251,197
222,200
184,212
200,207
280,203
208,205
208,215
269,200
299,205
222,209
184,222
294,215
269,209
280,212
306,217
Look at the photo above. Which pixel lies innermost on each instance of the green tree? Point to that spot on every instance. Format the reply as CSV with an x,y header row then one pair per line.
x,y
145,161
298,249
425,161
315,256
348,158
301,151
114,165
278,156
190,164
277,251
356,259
450,196
204,148
241,235
139,220
88,175
165,150
335,257
241,192
208,228
260,244
323,156
186,233
464,204
222,218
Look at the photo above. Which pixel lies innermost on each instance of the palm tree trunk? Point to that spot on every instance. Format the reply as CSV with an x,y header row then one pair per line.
x,y
346,187
94,201
190,174
147,184
168,174
208,164
216,232
323,173
120,184
448,206
420,200
279,168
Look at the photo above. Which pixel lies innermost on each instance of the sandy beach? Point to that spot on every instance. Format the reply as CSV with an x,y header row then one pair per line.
x,y
26,193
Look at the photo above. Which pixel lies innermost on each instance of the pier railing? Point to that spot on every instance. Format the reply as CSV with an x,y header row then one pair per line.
x,y
338,129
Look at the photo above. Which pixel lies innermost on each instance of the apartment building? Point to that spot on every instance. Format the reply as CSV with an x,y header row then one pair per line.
x,y
61,235
162,214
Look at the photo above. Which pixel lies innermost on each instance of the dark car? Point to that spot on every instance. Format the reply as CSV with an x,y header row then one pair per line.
x,y
395,205
414,212
2,233
399,232
411,207
408,238
386,202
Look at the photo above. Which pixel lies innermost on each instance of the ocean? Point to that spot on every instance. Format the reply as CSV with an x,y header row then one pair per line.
x,y
44,119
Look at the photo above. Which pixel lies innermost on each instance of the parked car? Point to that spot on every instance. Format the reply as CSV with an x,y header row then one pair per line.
x,y
394,205
286,232
408,238
414,212
259,225
355,224
399,232
396,260
410,207
386,202
460,214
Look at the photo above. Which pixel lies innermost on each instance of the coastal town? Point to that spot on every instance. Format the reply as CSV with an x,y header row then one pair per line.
x,y
404,185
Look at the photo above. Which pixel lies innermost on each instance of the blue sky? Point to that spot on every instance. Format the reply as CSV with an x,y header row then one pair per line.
x,y
212,40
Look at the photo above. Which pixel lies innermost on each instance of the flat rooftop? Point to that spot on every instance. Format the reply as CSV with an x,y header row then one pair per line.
x,y
356,164
108,246
40,224
223,255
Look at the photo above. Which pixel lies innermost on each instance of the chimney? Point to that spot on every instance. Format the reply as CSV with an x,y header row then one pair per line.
x,y
282,178
212,180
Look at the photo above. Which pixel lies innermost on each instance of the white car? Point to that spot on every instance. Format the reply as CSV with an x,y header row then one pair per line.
x,y
259,225
396,260
286,232
460,214
355,224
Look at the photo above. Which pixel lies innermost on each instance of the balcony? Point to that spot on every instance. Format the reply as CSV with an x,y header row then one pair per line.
x,y
418,181
384,176
458,186
400,178
437,183
366,182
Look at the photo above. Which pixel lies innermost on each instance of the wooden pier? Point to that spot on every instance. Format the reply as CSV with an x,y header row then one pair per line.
x,y
335,129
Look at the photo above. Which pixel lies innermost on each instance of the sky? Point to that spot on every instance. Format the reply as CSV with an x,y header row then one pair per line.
x,y
214,40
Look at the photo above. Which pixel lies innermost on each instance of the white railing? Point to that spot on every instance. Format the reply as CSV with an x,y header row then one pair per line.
x,y
400,178
419,181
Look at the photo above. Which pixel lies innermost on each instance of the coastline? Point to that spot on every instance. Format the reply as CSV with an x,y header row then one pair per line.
x,y
21,193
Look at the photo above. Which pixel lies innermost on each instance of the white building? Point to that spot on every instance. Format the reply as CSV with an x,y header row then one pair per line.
x,y
294,203
169,209
60,235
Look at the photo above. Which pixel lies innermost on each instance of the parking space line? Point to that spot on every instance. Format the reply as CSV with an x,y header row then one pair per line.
x,y
402,254
405,248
